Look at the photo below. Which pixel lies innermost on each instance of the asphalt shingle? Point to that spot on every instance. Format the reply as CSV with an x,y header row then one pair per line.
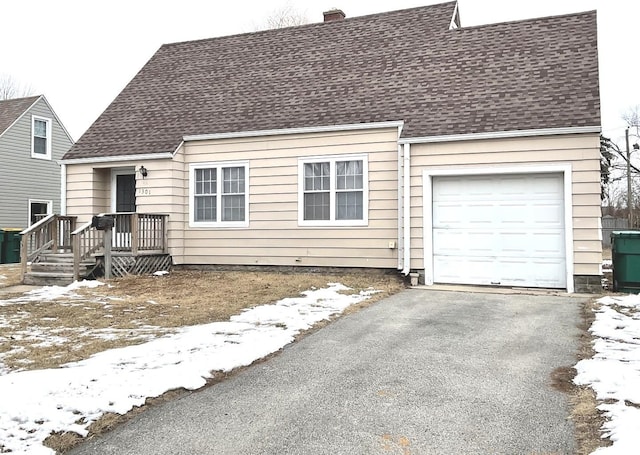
x,y
11,110
400,65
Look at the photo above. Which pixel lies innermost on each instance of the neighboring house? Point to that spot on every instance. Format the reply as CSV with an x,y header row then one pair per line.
x,y
32,139
398,140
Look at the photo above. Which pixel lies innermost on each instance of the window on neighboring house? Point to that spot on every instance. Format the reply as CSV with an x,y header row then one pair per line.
x,y
333,191
38,210
219,195
41,137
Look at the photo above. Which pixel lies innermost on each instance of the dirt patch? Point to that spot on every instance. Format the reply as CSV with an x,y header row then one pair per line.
x,y
586,418
561,379
9,275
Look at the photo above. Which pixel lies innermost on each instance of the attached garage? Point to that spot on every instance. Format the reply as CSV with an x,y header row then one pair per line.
x,y
507,229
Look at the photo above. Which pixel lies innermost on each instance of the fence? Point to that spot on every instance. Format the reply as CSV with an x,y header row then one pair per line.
x,y
610,224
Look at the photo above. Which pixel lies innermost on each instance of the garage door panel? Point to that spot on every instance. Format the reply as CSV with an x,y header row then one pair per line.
x,y
524,215
547,215
500,272
545,273
477,270
452,242
499,229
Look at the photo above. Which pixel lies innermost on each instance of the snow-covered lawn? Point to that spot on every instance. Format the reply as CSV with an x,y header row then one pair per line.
x,y
35,403
614,371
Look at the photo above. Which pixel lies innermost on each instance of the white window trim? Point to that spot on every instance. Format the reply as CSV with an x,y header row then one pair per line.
x,y
218,224
39,201
332,190
46,156
427,196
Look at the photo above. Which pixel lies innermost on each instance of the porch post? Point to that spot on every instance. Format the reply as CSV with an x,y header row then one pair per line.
x,y
75,245
135,233
54,234
107,253
24,242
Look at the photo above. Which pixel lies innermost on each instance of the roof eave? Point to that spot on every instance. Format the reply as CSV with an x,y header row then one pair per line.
x,y
502,134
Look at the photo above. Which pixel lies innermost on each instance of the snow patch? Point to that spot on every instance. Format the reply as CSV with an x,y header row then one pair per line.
x,y
614,371
36,403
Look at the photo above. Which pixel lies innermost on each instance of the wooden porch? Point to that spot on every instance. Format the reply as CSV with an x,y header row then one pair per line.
x,y
56,251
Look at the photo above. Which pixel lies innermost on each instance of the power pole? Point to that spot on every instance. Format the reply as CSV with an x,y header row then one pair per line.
x,y
629,195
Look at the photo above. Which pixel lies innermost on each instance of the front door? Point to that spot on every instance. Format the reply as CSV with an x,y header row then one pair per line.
x,y
124,201
125,193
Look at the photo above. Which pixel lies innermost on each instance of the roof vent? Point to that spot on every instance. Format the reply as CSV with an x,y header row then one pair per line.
x,y
333,15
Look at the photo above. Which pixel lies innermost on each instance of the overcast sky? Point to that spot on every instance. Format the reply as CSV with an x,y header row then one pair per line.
x,y
80,54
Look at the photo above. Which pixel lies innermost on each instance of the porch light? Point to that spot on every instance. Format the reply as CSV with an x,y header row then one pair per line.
x,y
143,171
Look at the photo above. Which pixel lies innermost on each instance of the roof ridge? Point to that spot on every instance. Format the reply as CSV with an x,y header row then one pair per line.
x,y
21,98
532,19
313,24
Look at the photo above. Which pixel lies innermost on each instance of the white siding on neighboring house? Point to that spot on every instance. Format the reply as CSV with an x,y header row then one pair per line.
x,y
23,178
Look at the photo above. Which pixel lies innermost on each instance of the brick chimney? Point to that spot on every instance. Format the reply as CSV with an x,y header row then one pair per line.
x,y
333,15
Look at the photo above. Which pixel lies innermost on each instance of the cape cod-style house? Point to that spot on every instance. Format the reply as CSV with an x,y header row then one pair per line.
x,y
400,140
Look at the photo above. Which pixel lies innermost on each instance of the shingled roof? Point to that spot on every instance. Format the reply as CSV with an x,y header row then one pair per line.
x,y
11,110
401,65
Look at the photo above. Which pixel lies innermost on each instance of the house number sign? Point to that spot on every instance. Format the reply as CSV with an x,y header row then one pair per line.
x,y
143,191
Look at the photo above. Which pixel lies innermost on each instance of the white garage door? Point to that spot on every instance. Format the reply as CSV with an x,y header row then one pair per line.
x,y
503,230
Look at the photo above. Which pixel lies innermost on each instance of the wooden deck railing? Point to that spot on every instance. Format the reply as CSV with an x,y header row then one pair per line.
x,y
86,241
139,232
52,233
135,233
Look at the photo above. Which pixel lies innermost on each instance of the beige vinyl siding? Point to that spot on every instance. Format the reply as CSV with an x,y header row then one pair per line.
x,y
582,152
89,189
23,177
273,236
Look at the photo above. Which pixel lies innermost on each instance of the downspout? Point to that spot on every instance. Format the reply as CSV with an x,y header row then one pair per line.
x,y
407,209
63,189
400,244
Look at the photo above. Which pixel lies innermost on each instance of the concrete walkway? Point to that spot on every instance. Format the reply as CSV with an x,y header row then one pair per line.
x,y
423,372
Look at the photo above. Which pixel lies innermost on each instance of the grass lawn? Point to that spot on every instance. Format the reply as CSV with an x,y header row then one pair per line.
x,y
125,311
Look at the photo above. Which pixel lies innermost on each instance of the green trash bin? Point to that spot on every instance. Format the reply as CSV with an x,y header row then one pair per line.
x,y
625,251
11,245
1,246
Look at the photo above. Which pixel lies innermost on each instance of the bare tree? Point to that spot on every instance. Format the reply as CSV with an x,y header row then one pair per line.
x,y
10,88
623,179
632,118
285,16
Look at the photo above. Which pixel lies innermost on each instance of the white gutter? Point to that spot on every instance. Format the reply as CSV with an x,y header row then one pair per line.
x,y
112,159
400,242
407,209
177,148
310,129
501,135
63,189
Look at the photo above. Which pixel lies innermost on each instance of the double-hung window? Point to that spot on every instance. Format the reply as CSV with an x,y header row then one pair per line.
x,y
40,138
218,194
333,191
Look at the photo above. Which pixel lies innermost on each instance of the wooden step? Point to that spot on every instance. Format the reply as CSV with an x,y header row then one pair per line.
x,y
48,279
61,267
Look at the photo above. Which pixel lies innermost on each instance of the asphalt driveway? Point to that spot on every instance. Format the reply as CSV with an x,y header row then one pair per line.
x,y
423,372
